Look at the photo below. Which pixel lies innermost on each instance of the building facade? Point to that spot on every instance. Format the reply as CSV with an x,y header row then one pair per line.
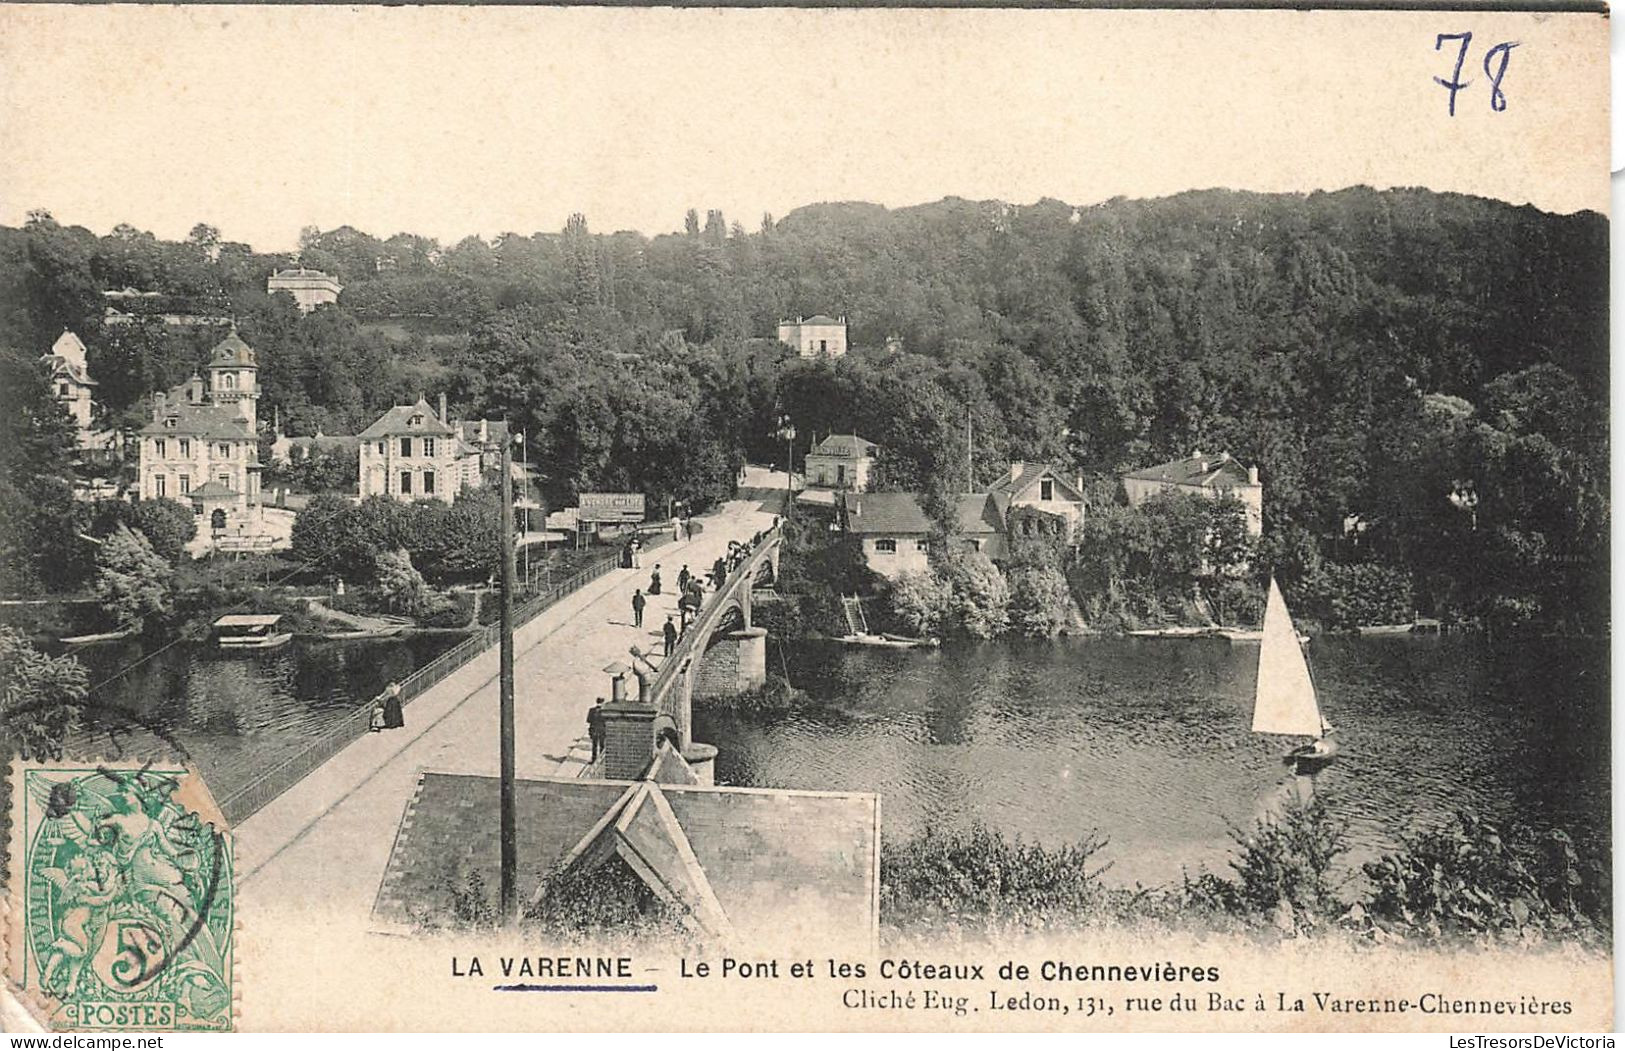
x,y
309,288
1210,476
841,461
819,336
1041,498
71,382
411,453
891,529
202,444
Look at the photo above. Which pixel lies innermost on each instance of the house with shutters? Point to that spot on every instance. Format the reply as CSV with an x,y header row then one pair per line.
x,y
841,461
309,288
895,533
1205,475
75,391
412,453
202,444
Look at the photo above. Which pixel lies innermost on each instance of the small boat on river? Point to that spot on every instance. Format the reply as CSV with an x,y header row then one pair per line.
x,y
250,631
897,642
1286,701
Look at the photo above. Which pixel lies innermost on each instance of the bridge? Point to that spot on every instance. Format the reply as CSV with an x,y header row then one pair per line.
x,y
720,652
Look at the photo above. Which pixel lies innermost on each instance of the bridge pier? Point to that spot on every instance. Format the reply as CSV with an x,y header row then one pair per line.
x,y
735,663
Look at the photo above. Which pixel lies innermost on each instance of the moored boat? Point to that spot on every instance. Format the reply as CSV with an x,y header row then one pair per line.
x,y
250,631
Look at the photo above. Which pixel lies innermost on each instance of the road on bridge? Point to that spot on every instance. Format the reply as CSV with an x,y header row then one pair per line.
x,y
311,860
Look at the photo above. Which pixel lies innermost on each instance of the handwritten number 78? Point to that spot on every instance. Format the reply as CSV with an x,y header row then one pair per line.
x,y
1495,68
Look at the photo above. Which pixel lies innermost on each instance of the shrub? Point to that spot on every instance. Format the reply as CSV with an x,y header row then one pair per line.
x,y
1470,878
1283,866
919,602
977,879
980,604
399,583
1040,601
133,583
609,900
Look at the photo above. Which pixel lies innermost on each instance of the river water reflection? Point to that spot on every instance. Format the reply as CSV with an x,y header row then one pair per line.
x,y
1148,740
238,713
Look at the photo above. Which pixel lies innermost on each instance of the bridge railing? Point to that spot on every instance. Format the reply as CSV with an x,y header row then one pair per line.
x,y
700,628
244,800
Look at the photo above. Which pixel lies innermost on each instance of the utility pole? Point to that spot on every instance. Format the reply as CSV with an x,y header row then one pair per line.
x,y
510,861
970,470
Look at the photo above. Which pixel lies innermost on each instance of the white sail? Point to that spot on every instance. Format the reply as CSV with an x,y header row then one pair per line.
x,y
1286,695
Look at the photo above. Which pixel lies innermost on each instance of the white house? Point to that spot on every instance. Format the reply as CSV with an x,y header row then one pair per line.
x,y
841,461
1210,476
309,288
411,453
819,336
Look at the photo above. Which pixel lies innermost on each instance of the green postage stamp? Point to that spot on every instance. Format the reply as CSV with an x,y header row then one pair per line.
x,y
121,902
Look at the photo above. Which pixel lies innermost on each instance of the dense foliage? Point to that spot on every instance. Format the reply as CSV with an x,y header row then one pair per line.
x,y
1428,365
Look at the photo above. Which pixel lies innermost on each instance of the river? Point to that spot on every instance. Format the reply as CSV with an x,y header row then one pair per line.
x,y
238,713
1147,741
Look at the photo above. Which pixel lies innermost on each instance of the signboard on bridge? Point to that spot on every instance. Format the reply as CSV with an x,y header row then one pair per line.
x,y
611,507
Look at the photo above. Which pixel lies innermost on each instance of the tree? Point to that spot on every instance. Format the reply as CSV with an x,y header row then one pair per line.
x,y
168,526
400,584
980,601
133,583
39,543
919,601
1040,601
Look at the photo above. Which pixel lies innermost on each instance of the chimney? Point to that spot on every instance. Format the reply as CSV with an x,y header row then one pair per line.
x,y
1252,475
629,739
158,400
1015,469
485,432
442,406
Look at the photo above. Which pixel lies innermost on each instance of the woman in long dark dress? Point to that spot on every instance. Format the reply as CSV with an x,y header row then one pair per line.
x,y
654,581
394,718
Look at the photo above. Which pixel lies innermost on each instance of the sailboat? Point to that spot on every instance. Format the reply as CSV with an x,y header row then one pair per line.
x,y
1286,702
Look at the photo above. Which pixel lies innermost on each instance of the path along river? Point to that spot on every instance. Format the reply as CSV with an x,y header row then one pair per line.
x,y
1148,740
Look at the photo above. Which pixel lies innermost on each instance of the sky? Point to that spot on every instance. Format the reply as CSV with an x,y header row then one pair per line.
x,y
455,121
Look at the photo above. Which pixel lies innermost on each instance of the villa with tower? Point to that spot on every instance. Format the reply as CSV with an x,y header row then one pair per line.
x,y
201,446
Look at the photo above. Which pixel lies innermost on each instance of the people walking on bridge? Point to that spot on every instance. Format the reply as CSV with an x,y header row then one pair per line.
x,y
670,634
595,727
719,572
682,579
654,580
386,712
635,546
676,528
638,602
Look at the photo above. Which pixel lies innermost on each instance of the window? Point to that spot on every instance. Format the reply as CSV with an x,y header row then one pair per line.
x,y
186,484
975,545
823,346
840,474
382,448
225,480
225,450
160,448
922,545
428,482
231,381
186,449
1046,489
62,389
886,546
160,487
428,447
406,481
406,447
416,421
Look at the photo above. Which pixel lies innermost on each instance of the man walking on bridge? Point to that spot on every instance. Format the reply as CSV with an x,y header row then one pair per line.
x,y
638,602
670,633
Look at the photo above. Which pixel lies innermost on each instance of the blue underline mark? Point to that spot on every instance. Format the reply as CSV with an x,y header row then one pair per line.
x,y
524,987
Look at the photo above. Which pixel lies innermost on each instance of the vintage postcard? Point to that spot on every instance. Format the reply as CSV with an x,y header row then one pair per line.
x,y
805,518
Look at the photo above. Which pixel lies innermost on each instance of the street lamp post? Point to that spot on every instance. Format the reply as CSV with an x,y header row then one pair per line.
x,y
787,431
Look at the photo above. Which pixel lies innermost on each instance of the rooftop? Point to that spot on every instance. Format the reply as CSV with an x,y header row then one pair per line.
x,y
1023,476
763,863
844,445
231,351
886,514
218,422
213,491
398,420
1219,472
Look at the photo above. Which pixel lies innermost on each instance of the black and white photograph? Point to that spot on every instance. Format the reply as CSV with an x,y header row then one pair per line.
x,y
901,519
